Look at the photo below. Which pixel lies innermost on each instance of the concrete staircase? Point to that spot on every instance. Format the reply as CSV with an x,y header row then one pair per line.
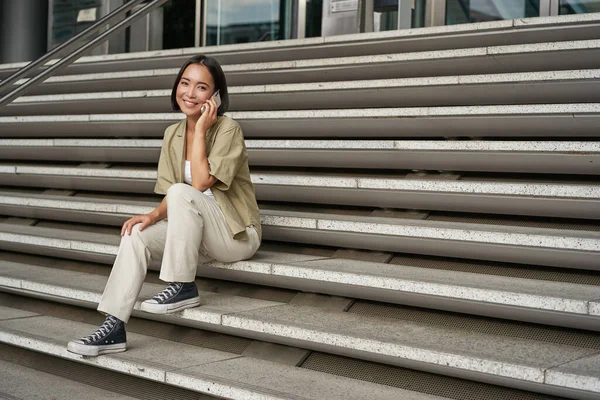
x,y
429,198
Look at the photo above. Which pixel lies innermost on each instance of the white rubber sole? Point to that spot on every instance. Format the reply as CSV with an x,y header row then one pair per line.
x,y
169,308
86,350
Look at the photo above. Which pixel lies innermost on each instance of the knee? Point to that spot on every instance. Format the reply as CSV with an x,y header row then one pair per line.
x,y
181,195
137,235
177,191
135,230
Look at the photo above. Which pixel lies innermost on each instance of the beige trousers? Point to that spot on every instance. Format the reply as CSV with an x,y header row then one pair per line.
x,y
195,231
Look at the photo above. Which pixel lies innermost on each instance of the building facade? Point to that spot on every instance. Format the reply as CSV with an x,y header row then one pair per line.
x,y
195,23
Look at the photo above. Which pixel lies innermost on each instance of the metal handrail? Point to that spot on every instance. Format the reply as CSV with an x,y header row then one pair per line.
x,y
69,44
77,53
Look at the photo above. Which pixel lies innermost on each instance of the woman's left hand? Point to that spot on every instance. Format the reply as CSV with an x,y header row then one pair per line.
x,y
208,117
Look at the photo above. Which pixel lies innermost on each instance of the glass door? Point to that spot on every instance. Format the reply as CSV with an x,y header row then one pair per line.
x,y
244,21
398,14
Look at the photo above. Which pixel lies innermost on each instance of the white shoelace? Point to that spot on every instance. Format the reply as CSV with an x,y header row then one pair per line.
x,y
105,328
169,292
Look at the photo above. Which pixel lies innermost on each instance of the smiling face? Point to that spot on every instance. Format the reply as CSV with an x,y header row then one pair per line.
x,y
194,88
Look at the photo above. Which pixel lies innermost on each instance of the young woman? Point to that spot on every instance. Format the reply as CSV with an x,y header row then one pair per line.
x,y
209,211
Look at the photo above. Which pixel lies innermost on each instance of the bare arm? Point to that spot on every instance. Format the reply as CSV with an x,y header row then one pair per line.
x,y
160,212
201,177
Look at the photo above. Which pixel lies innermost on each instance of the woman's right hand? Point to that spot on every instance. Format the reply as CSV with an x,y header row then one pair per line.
x,y
145,220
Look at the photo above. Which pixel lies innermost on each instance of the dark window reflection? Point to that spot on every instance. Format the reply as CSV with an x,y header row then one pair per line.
x,y
465,11
578,6
314,17
178,26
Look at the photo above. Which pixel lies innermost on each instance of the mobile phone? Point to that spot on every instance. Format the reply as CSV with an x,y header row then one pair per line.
x,y
217,97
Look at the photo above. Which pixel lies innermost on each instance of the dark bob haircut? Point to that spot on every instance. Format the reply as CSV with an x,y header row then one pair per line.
x,y
218,77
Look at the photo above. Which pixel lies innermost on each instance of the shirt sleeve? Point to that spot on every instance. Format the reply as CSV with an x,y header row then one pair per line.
x,y
226,157
165,175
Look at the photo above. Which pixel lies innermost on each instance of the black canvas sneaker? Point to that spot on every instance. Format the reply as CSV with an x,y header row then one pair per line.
x,y
176,297
109,338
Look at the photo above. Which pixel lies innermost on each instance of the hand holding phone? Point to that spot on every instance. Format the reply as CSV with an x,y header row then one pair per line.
x,y
216,97
206,121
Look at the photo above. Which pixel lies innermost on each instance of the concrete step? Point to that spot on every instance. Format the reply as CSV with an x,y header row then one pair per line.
x,y
218,373
405,191
496,33
398,377
20,382
488,241
563,248
568,120
532,300
450,155
559,157
432,192
489,89
34,375
538,57
508,361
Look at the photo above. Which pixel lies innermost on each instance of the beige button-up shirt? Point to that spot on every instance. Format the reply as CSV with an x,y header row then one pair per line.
x,y
228,162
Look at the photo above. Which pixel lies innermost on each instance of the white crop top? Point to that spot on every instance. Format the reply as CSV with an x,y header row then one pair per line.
x,y
187,177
